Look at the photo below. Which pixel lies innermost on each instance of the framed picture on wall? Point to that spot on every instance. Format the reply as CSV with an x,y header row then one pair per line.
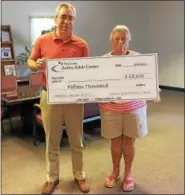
x,y
5,36
10,69
6,52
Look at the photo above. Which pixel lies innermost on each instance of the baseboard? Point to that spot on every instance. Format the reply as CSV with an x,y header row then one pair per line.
x,y
172,88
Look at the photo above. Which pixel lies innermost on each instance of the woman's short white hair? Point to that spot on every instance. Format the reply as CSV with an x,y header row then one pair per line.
x,y
121,28
67,5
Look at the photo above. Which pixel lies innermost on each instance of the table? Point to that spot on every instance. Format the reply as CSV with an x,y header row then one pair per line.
x,y
23,93
23,80
25,96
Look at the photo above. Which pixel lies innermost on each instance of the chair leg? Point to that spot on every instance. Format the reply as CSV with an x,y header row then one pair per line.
x,y
2,126
62,138
84,139
36,142
10,119
11,124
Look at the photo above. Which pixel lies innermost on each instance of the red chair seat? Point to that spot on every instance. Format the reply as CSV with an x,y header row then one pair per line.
x,y
35,79
8,84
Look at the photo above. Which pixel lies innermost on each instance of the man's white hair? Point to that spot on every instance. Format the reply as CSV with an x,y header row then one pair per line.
x,y
67,5
121,28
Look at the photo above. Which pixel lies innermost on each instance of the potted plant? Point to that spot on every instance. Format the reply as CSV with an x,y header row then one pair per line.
x,y
21,62
48,31
21,59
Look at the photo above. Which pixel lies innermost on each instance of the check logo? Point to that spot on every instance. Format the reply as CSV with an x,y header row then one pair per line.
x,y
58,67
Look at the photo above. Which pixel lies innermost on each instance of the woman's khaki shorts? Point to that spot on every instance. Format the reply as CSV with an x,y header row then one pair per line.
x,y
133,124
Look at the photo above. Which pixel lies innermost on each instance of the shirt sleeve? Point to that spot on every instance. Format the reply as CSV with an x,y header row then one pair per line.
x,y
36,50
85,50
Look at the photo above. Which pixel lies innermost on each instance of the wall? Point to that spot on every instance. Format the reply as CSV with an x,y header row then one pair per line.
x,y
155,26
94,21
166,37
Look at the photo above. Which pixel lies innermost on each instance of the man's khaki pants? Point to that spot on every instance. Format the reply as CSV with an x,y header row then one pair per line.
x,y
54,116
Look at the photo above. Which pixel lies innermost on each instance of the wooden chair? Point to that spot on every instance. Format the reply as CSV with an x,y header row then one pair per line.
x,y
9,89
8,84
91,114
35,79
37,124
38,129
4,115
90,110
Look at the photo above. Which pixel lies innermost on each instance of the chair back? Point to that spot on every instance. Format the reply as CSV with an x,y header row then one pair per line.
x,y
8,84
35,79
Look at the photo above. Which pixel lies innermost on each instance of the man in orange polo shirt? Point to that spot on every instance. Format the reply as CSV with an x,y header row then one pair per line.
x,y
61,43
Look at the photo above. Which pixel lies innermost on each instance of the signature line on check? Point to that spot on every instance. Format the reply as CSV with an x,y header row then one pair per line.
x,y
128,65
95,80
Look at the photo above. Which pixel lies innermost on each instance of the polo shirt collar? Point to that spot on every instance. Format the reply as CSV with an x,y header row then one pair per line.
x,y
54,36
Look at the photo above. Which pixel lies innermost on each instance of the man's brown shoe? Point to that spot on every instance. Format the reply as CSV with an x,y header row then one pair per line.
x,y
49,187
83,185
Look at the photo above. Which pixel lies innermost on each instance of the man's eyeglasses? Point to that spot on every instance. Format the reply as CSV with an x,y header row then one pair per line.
x,y
65,17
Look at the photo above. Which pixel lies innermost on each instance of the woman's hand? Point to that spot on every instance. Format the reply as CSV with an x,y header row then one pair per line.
x,y
157,100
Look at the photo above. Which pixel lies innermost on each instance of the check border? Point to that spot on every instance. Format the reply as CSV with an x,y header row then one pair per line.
x,y
115,56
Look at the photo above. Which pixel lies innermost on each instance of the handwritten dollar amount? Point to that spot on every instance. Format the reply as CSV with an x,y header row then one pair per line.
x,y
134,76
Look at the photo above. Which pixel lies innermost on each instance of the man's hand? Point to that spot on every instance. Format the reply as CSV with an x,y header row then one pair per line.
x,y
40,63
36,65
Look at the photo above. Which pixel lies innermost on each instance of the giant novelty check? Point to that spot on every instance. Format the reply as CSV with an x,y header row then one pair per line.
x,y
102,79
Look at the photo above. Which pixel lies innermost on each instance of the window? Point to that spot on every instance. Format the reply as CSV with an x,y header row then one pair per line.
x,y
38,24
